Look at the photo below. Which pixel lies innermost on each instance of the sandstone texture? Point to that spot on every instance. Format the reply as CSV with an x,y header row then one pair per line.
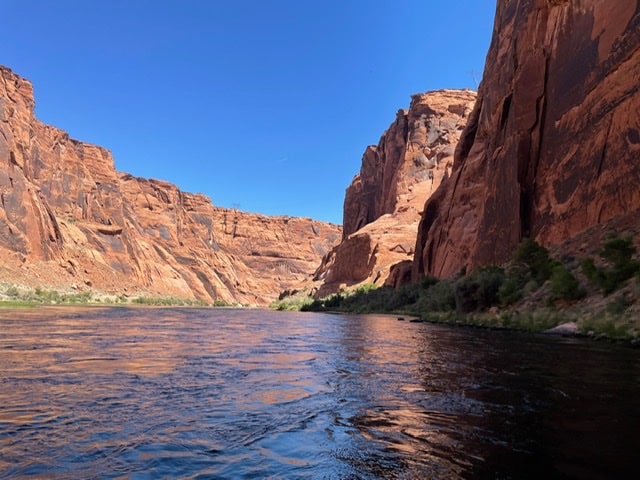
x,y
69,220
553,144
383,203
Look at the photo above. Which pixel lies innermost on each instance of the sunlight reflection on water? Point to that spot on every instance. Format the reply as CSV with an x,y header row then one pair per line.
x,y
174,393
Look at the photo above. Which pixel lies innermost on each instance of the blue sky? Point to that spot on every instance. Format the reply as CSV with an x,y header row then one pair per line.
x,y
266,106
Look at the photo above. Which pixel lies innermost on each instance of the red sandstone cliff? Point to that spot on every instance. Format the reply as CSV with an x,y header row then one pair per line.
x,y
553,145
383,203
68,219
221,252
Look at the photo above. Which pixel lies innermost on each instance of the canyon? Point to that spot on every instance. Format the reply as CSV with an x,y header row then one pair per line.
x,y
547,149
69,220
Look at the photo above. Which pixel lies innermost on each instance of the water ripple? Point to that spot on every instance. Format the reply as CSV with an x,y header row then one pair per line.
x,y
189,393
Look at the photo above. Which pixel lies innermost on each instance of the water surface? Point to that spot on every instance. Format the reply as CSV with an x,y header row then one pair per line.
x,y
200,393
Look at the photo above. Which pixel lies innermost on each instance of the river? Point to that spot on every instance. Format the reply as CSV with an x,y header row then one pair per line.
x,y
238,393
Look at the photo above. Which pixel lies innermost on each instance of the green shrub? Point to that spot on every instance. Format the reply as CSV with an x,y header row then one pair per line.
x,y
564,285
315,306
47,296
368,298
614,326
440,297
512,289
365,288
479,290
529,268
12,292
81,297
591,271
428,282
403,298
617,253
333,301
168,301
619,305
293,302
536,258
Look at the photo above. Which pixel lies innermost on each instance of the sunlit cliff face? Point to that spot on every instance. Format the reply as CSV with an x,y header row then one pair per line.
x,y
69,220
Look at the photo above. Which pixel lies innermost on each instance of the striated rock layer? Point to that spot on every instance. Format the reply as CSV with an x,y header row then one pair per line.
x,y
553,144
68,219
383,203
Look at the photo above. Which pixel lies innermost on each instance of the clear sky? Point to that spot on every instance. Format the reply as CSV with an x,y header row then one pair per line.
x,y
263,105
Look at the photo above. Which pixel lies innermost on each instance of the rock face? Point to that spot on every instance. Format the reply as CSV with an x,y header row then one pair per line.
x,y
383,203
68,218
222,253
553,144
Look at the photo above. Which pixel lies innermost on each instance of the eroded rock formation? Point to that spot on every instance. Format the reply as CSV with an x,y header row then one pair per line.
x,y
383,203
67,218
553,144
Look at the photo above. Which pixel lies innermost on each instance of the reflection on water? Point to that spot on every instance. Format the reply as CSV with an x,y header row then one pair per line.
x,y
175,393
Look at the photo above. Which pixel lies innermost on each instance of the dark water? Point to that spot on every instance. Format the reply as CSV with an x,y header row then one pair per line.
x,y
187,393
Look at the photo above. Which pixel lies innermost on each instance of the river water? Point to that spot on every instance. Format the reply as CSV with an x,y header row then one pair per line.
x,y
222,393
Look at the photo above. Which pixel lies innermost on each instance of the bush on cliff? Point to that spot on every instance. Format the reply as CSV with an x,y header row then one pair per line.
x,y
517,276
619,266
529,268
536,258
564,285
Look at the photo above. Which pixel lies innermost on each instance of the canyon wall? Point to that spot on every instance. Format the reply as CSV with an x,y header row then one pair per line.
x,y
553,144
383,204
69,220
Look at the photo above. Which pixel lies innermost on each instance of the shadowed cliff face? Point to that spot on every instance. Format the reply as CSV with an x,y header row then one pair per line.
x,y
68,219
383,203
553,144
